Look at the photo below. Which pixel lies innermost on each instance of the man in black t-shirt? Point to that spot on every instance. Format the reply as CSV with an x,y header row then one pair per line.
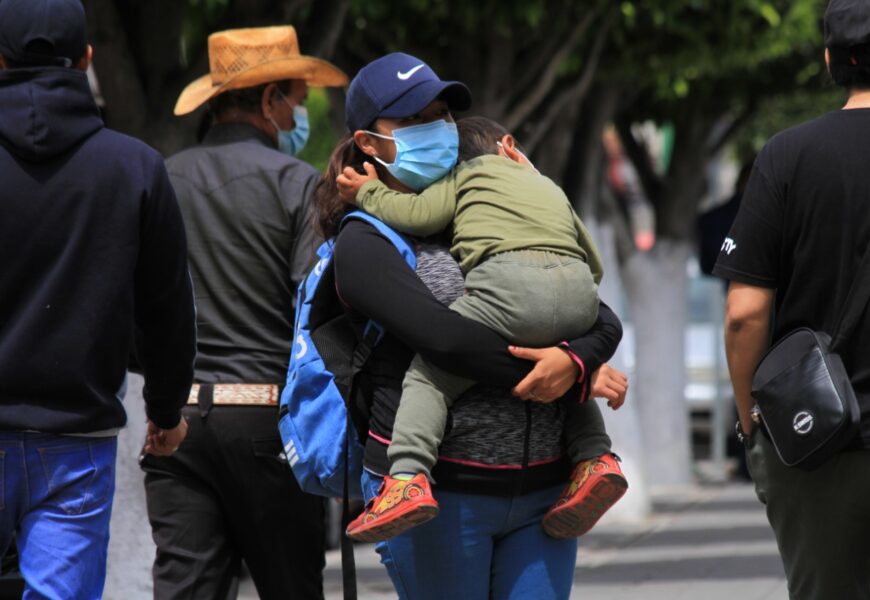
x,y
799,236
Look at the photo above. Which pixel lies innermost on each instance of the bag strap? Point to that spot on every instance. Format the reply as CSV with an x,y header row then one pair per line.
x,y
348,562
855,304
372,334
401,242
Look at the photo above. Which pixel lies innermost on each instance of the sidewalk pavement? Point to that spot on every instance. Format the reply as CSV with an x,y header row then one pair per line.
x,y
702,541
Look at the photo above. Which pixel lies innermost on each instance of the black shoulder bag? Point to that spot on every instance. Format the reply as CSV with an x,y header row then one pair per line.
x,y
802,389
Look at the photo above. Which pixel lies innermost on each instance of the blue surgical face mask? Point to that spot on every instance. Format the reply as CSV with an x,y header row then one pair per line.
x,y
291,142
424,153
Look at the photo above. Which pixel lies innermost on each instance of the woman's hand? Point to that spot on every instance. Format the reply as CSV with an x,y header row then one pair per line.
x,y
552,376
349,182
611,384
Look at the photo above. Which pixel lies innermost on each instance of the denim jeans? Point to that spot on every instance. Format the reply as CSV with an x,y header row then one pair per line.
x,y
56,499
479,548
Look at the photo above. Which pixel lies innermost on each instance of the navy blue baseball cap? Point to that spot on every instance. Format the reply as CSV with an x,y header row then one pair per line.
x,y
847,23
395,86
43,32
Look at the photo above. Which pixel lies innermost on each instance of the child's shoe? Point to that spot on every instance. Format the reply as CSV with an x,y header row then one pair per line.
x,y
398,506
596,484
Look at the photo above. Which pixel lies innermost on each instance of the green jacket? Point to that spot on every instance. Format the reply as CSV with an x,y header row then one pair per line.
x,y
495,204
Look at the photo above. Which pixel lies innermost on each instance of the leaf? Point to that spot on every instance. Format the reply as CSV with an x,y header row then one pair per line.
x,y
770,14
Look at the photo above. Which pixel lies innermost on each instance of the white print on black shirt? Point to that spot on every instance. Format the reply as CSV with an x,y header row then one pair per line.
x,y
728,246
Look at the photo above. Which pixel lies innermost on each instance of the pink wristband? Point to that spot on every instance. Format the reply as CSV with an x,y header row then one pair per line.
x,y
584,391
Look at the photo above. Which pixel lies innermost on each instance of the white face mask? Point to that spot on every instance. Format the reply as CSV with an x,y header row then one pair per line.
x,y
518,151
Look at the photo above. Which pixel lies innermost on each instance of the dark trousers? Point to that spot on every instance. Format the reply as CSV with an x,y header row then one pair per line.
x,y
584,436
821,519
227,494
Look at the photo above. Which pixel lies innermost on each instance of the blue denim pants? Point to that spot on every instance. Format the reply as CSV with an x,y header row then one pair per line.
x,y
479,548
56,499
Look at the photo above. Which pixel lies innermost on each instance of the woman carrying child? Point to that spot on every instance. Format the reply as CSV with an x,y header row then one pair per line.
x,y
501,466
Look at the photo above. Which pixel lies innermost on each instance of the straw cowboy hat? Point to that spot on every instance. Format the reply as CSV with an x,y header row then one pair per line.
x,y
243,58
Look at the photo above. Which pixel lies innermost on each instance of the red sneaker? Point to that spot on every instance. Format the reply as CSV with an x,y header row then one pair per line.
x,y
398,506
596,485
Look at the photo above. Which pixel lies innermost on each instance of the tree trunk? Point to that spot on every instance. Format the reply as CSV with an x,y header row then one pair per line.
x,y
126,106
624,425
656,283
583,177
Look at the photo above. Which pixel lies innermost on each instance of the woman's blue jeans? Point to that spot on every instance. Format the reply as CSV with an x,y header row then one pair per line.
x,y
56,499
480,548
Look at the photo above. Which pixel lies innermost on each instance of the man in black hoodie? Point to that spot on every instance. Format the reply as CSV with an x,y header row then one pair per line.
x,y
92,246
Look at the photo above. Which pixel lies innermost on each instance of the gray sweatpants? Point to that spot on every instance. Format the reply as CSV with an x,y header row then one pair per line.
x,y
531,297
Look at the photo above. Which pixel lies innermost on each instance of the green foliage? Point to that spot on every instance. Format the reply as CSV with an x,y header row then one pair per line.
x,y
782,111
323,138
673,46
720,56
457,36
199,20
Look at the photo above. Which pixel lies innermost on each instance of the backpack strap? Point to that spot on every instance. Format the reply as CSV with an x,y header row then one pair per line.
x,y
372,334
400,241
348,561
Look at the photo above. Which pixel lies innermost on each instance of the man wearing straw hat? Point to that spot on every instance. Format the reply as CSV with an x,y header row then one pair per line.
x,y
228,494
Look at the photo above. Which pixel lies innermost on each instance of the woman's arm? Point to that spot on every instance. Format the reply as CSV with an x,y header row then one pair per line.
x,y
598,345
557,369
373,279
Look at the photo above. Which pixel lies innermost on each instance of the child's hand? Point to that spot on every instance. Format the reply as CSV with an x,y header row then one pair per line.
x,y
349,182
611,384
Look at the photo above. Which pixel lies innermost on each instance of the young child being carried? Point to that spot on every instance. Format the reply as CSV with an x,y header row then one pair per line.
x,y
532,274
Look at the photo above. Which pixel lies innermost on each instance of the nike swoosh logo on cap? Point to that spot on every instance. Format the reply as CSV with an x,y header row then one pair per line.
x,y
407,74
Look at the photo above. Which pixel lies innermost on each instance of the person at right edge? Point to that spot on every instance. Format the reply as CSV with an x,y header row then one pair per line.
x,y
800,233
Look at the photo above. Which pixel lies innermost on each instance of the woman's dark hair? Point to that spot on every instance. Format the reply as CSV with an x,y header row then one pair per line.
x,y
478,136
329,208
850,67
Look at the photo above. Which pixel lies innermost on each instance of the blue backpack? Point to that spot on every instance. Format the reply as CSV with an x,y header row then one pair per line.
x,y
320,440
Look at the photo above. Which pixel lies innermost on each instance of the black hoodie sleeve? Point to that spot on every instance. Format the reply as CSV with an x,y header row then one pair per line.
x,y
165,315
600,342
375,281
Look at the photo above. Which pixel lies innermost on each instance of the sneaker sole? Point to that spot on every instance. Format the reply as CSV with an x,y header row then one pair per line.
x,y
398,524
573,520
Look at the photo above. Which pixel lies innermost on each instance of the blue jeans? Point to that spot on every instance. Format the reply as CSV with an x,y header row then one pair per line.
x,y
480,548
56,499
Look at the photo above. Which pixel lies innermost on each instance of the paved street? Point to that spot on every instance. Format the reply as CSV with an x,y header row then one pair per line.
x,y
710,542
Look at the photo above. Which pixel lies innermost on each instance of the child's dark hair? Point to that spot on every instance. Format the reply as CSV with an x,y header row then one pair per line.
x,y
478,136
850,67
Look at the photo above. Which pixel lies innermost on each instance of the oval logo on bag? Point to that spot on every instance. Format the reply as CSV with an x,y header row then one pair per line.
x,y
803,422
